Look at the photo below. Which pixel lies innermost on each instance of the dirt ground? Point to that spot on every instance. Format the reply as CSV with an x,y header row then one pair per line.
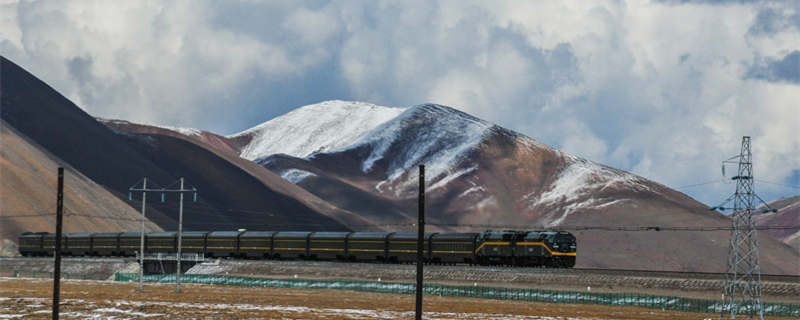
x,y
31,299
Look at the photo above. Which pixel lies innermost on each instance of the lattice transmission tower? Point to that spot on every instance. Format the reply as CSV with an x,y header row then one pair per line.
x,y
742,290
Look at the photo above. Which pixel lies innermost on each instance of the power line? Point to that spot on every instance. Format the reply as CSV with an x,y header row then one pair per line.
x,y
456,225
700,184
778,184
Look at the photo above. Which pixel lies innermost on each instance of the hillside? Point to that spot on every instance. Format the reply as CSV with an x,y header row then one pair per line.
x,y
229,197
481,175
28,190
788,215
225,155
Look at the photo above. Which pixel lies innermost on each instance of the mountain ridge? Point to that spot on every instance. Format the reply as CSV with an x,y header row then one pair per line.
x,y
480,174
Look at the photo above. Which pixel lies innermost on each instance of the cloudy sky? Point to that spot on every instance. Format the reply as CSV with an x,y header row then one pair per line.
x,y
665,89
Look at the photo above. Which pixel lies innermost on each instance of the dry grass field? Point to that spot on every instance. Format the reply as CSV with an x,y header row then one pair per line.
x,y
31,298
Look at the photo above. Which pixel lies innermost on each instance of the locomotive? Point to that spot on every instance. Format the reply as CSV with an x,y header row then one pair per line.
x,y
556,249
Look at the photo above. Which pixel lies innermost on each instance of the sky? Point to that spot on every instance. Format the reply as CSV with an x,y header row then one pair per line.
x,y
664,89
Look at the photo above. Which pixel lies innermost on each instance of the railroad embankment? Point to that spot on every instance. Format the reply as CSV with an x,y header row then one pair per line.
x,y
689,285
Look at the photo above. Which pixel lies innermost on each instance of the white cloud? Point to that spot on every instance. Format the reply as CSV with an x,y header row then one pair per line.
x,y
657,88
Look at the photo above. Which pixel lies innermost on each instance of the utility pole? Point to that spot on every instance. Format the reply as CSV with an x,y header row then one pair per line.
x,y
742,289
178,257
180,237
420,240
141,235
57,254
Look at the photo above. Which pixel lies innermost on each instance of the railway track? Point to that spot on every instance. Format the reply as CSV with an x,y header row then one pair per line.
x,y
486,269
680,274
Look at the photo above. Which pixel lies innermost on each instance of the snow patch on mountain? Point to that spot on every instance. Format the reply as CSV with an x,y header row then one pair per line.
x,y
315,128
582,177
450,177
183,131
555,219
435,135
471,190
488,201
296,175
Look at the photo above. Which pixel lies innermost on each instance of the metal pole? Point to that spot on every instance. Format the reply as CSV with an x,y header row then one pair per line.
x,y
420,240
180,236
141,243
57,263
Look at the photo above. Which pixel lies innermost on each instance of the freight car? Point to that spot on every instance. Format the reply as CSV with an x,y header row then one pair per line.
x,y
519,248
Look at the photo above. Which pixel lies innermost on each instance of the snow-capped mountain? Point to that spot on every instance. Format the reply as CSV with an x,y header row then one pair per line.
x,y
315,128
480,174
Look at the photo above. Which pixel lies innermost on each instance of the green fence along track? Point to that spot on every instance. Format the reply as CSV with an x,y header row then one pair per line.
x,y
521,294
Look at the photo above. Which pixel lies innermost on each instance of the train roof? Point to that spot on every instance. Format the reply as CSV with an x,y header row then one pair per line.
x,y
329,235
455,236
292,234
224,234
130,234
106,234
161,234
194,233
409,236
257,234
369,235
79,235
32,235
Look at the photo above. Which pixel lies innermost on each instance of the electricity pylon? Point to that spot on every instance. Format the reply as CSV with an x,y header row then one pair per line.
x,y
742,290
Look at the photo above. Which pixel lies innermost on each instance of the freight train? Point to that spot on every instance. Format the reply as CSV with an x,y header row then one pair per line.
x,y
519,248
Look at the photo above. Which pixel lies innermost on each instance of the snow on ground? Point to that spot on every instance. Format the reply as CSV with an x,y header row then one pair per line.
x,y
303,311
296,175
315,128
209,267
127,309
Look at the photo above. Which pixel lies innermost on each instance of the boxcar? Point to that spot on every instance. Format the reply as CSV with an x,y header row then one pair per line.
x,y
30,244
129,243
453,248
256,244
161,242
367,246
49,243
403,247
105,243
193,242
328,245
289,245
222,243
495,247
78,244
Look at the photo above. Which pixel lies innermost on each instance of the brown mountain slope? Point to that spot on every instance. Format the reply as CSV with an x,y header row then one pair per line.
x,y
28,190
788,215
228,196
223,148
481,175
